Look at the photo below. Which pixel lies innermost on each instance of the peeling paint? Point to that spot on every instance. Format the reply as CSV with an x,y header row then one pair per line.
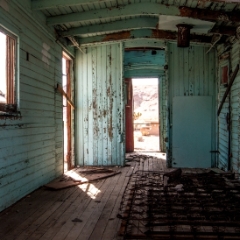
x,y
117,36
100,88
163,34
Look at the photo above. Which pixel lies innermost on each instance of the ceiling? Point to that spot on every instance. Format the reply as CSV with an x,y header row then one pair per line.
x,y
84,22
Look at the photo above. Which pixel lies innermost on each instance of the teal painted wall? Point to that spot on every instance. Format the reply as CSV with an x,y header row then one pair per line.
x,y
31,148
191,72
223,141
100,106
223,133
145,63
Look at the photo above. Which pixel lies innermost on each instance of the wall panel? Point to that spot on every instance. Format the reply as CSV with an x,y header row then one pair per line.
x,y
191,72
229,137
99,118
30,148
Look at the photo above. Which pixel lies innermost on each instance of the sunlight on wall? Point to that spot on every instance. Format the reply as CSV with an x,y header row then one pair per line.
x,y
88,188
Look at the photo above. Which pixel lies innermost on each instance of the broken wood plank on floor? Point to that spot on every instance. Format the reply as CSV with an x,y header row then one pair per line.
x,y
85,175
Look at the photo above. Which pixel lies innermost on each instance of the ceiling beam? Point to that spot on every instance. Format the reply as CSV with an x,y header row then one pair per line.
x,y
135,23
209,15
140,34
141,9
144,43
136,9
225,30
47,4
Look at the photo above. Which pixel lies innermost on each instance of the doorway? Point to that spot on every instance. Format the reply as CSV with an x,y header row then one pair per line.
x,y
67,115
146,114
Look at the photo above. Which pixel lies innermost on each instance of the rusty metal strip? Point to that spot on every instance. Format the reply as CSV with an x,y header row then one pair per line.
x,y
149,210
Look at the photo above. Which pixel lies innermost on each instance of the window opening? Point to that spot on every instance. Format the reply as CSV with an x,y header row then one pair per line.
x,y
67,115
7,73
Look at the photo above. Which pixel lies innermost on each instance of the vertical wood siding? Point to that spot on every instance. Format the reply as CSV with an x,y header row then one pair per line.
x,y
235,110
191,73
100,120
146,63
223,133
31,148
223,140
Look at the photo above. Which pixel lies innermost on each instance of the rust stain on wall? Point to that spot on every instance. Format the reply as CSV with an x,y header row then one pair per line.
x,y
111,99
163,34
117,36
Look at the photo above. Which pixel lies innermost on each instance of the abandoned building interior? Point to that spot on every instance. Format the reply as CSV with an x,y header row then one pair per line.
x,y
66,70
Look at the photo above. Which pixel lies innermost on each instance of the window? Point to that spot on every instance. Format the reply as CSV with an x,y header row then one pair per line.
x,y
7,72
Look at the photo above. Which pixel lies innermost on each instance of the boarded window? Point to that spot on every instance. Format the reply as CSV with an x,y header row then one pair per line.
x,y
7,72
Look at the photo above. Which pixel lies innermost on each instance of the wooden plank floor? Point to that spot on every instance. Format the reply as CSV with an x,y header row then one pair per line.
x,y
86,212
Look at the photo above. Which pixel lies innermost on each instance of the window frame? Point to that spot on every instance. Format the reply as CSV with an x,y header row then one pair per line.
x,y
11,106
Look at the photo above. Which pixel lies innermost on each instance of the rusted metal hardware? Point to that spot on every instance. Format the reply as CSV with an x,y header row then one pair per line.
x,y
193,206
183,39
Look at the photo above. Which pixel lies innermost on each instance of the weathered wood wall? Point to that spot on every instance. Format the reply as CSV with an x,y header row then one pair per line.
x,y
31,148
100,106
233,109
145,63
191,72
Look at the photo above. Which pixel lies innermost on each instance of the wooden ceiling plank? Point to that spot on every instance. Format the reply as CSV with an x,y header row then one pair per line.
x,y
135,23
137,9
140,34
47,4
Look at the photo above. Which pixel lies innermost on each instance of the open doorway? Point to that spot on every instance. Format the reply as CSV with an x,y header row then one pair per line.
x,y
146,114
67,116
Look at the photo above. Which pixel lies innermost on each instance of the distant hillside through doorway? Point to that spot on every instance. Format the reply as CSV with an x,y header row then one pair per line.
x,y
145,94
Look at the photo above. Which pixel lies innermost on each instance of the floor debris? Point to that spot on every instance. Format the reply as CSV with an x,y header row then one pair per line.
x,y
192,206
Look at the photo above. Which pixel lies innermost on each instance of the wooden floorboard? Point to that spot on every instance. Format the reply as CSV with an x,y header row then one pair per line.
x,y
87,212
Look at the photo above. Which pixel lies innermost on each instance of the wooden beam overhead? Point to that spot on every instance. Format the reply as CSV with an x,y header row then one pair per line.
x,y
144,9
135,23
209,15
225,30
140,34
47,4
137,9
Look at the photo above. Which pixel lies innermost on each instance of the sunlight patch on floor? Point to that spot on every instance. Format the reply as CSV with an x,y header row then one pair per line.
x,y
88,188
